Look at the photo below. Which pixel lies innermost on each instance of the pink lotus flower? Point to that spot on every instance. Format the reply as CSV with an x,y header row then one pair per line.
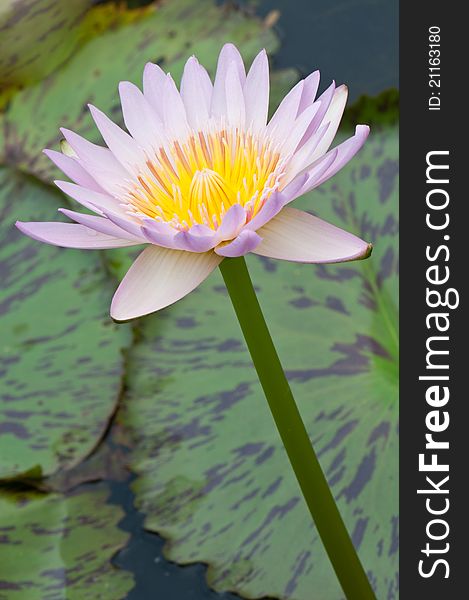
x,y
201,176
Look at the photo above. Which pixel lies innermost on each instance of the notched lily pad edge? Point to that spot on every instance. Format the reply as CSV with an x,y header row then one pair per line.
x,y
378,111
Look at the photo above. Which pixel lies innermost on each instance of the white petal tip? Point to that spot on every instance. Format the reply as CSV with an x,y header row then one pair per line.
x,y
121,317
362,131
95,112
124,85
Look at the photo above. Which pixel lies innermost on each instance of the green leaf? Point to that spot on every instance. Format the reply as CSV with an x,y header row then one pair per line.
x,y
167,35
212,475
56,547
37,36
60,353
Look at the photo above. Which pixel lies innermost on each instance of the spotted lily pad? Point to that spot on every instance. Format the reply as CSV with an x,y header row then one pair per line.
x,y
213,477
37,36
56,547
166,34
60,354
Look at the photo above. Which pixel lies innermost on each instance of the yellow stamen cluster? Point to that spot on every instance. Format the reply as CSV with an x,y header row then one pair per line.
x,y
198,180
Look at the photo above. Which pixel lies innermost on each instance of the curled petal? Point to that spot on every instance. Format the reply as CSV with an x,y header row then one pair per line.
x,y
300,237
199,238
69,235
233,221
338,156
273,206
276,202
159,277
245,242
311,175
160,234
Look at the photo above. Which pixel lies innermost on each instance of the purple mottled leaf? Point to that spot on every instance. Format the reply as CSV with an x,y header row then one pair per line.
x,y
61,357
55,547
213,477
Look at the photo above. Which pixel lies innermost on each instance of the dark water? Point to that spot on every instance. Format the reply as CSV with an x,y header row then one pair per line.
x,y
353,42
155,577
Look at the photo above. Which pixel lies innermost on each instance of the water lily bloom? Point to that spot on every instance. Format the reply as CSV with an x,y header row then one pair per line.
x,y
201,175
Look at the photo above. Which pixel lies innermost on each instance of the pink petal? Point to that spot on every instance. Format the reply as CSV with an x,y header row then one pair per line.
x,y
333,116
341,155
276,202
301,160
298,236
272,206
256,93
102,165
121,144
159,277
175,119
69,235
161,234
199,238
310,89
140,118
244,243
73,169
95,201
324,101
229,53
101,225
235,108
129,223
281,123
232,222
154,79
298,128
196,93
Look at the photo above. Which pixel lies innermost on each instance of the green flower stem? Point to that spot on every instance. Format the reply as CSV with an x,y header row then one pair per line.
x,y
294,436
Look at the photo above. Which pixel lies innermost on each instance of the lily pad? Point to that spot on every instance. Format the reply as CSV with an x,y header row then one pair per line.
x,y
213,477
61,357
167,35
57,547
37,36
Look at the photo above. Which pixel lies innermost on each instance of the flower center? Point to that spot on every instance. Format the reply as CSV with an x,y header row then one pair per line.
x,y
198,180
